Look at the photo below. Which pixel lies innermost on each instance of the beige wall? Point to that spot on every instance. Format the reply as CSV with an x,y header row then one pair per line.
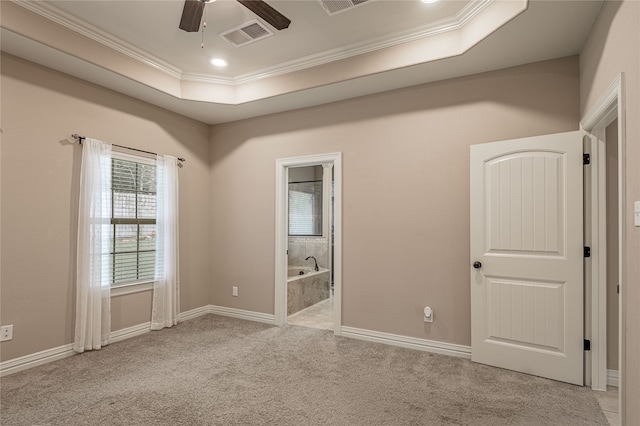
x,y
614,47
39,178
405,191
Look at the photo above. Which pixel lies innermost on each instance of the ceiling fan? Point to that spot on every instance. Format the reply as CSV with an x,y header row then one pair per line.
x,y
193,10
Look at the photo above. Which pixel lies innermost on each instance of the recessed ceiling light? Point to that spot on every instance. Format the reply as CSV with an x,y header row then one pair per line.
x,y
219,62
429,1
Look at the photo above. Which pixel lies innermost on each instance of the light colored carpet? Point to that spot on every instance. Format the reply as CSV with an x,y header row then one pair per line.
x,y
214,370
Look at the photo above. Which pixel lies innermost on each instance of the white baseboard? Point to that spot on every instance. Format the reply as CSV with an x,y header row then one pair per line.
x,y
139,329
194,313
54,354
126,333
33,360
612,378
242,314
356,333
407,342
49,355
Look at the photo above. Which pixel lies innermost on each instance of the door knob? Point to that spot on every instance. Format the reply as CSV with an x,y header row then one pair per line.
x,y
477,265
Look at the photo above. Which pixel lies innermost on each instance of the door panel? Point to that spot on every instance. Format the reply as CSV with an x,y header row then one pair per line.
x,y
525,216
526,230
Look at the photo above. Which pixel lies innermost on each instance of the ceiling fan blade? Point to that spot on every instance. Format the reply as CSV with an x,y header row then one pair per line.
x,y
268,13
191,15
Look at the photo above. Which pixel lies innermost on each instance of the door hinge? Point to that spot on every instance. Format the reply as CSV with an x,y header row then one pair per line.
x,y
586,159
587,345
587,252
618,289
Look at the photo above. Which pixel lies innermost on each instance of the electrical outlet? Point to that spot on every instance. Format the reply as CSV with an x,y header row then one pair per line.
x,y
234,291
6,332
428,314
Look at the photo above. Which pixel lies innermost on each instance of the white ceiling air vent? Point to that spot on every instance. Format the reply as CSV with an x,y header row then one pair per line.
x,y
246,33
336,6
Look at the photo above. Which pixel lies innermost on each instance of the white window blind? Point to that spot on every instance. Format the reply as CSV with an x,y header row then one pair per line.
x,y
133,190
305,208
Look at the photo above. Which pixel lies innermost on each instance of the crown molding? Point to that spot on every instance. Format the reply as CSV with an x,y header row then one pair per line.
x,y
72,23
453,23
47,11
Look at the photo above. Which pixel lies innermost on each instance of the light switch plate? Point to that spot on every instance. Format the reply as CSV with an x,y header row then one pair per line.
x,y
636,213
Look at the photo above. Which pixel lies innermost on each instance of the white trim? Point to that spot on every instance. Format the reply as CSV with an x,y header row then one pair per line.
x,y
241,314
408,342
612,378
74,24
596,266
137,330
457,22
194,313
33,360
49,355
612,104
281,237
463,17
604,103
54,354
119,153
122,290
128,332
327,170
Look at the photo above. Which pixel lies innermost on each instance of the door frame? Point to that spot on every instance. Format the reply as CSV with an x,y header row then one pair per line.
x,y
607,108
282,226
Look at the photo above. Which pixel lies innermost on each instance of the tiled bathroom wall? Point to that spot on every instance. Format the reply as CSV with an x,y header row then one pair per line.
x,y
302,247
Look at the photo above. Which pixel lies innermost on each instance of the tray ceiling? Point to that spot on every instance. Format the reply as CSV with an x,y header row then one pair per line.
x,y
135,47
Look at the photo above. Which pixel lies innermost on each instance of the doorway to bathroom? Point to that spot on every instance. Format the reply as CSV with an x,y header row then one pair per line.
x,y
308,241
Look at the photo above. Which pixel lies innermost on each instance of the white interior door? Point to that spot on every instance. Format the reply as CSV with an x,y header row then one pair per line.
x,y
527,255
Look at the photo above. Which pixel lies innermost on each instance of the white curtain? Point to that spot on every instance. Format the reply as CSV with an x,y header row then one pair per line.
x,y
166,287
93,299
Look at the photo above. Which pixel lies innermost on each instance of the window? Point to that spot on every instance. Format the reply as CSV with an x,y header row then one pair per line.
x,y
305,208
133,217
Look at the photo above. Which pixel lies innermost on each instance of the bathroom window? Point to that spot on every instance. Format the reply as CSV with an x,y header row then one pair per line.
x,y
133,218
305,208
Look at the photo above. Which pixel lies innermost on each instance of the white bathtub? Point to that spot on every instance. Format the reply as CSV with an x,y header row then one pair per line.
x,y
293,273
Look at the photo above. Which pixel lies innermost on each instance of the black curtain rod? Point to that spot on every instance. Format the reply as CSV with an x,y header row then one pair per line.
x,y
81,138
